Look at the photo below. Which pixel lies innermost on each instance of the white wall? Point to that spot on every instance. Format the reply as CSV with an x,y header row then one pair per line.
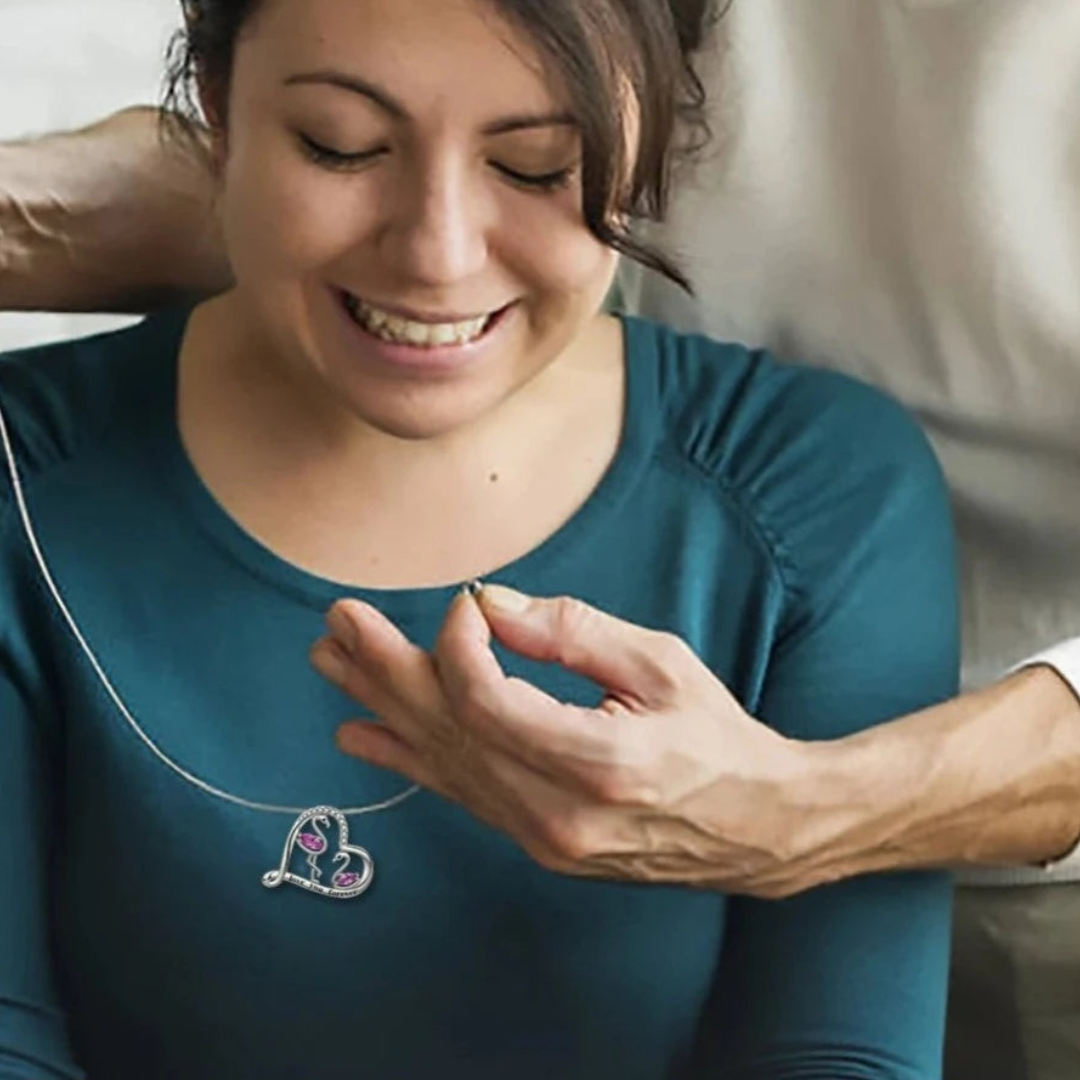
x,y
64,63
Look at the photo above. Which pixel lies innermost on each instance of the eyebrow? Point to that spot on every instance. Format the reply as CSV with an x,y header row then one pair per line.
x,y
355,85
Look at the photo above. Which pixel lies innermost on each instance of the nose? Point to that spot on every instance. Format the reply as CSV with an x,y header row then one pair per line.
x,y
438,234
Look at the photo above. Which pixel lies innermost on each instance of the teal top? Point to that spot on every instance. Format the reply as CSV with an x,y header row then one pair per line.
x,y
790,524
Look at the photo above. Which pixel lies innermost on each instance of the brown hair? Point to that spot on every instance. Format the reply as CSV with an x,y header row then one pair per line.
x,y
602,50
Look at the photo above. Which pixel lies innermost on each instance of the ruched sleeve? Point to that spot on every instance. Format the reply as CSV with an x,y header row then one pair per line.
x,y
846,982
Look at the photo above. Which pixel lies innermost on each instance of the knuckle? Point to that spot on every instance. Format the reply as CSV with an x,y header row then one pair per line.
x,y
450,740
371,663
622,785
535,836
671,651
545,857
474,705
571,619
564,839
570,612
376,669
631,776
358,683
546,860
668,658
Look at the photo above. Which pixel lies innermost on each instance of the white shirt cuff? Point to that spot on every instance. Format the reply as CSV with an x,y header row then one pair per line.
x,y
1065,660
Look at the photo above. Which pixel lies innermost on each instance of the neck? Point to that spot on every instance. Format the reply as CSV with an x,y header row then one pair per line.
x,y
365,507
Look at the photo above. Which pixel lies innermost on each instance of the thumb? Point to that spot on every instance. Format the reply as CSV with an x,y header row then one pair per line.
x,y
631,662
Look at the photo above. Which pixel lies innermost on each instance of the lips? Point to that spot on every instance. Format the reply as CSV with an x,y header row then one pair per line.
x,y
398,329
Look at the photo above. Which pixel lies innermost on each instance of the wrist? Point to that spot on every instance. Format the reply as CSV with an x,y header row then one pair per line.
x,y
805,822
844,807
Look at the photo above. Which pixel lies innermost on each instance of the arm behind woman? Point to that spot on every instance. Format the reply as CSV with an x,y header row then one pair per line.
x,y
109,218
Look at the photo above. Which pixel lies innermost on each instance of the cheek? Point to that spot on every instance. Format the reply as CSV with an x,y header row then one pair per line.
x,y
558,257
280,220
578,274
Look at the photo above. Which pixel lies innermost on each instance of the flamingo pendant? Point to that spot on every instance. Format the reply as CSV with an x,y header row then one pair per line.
x,y
308,837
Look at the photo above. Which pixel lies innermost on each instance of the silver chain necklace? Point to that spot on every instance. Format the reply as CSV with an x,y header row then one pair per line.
x,y
353,867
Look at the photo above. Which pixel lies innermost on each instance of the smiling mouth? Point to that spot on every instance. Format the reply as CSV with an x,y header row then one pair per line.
x,y
398,330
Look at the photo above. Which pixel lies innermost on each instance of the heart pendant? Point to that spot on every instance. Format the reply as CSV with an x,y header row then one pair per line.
x,y
353,867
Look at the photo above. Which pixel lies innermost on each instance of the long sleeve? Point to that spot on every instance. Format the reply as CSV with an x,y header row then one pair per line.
x,y
1064,658
848,982
33,1042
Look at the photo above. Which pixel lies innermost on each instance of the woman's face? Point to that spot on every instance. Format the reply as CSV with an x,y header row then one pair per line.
x,y
402,206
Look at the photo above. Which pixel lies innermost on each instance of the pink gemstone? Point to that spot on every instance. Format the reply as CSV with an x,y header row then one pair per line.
x,y
345,881
311,842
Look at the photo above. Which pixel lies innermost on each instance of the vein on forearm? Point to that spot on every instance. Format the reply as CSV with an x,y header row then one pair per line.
x,y
989,778
107,218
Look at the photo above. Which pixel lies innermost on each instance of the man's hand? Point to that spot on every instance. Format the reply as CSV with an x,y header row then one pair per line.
x,y
668,780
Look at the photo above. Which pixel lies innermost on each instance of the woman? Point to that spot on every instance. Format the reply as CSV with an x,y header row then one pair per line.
x,y
413,385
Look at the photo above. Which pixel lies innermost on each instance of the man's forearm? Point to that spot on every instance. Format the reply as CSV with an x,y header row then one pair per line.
x,y
106,218
990,778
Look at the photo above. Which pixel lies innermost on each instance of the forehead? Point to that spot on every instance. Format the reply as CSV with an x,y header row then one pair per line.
x,y
457,54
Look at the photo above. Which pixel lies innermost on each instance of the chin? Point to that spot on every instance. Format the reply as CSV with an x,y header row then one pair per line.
x,y
424,421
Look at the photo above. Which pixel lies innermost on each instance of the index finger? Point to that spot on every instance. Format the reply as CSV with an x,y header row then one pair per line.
x,y
511,713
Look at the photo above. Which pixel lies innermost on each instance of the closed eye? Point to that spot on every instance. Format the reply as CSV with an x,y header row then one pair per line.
x,y
335,159
549,181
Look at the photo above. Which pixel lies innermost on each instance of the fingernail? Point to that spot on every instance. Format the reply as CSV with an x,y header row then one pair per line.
x,y
501,598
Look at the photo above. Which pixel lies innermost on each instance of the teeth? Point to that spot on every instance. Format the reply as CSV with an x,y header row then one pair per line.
x,y
401,331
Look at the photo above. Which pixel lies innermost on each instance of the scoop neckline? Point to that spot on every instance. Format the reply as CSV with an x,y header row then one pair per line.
x,y
531,570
